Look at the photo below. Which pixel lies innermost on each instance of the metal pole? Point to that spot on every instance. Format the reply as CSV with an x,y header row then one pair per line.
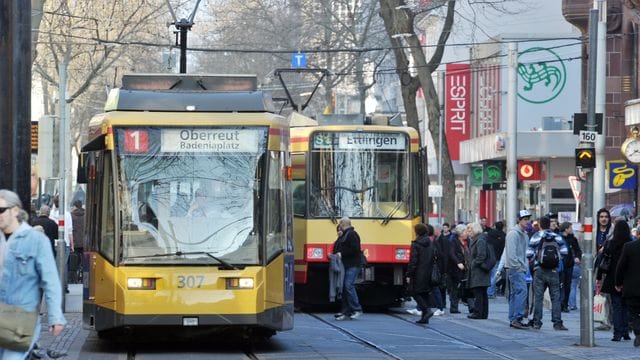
x,y
600,101
184,26
512,132
441,87
15,99
61,264
586,289
63,144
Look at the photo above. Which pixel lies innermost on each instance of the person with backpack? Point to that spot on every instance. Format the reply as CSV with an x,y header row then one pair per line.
x,y
547,248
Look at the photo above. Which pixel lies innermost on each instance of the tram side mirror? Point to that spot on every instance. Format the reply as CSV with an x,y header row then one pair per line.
x,y
81,175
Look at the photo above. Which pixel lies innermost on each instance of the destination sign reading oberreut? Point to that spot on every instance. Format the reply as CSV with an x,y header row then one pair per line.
x,y
359,141
210,140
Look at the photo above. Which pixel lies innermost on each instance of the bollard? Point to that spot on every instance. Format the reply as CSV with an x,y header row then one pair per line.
x,y
61,246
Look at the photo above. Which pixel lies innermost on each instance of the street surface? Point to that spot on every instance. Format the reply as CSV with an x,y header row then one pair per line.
x,y
392,335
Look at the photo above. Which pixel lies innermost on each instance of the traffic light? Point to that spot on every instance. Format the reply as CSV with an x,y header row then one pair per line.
x,y
586,158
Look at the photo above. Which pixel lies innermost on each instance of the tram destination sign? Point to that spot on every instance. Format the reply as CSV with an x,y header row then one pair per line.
x,y
211,140
359,141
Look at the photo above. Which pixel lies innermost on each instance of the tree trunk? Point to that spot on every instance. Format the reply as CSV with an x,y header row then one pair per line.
x,y
400,20
37,11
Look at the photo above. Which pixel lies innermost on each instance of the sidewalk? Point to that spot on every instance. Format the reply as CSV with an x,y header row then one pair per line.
x,y
495,333
72,332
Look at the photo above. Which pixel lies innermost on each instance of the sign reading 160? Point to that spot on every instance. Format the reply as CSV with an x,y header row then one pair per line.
x,y
190,281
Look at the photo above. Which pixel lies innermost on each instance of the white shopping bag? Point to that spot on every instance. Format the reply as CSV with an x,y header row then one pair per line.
x,y
600,309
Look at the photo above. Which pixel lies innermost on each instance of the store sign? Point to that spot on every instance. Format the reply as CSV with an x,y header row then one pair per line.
x,y
458,106
622,175
491,172
529,170
210,140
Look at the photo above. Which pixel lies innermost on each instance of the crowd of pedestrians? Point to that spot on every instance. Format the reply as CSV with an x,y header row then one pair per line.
x,y
534,256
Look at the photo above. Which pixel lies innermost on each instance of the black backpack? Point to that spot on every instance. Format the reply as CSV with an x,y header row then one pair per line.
x,y
549,251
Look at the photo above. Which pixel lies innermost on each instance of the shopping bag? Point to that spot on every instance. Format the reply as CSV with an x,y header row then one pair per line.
x,y
600,308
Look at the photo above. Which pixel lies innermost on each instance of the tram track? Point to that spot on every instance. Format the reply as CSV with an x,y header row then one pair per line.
x,y
354,336
461,340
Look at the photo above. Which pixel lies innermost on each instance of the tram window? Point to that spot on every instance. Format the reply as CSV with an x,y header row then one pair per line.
x,y
417,196
299,198
276,201
107,232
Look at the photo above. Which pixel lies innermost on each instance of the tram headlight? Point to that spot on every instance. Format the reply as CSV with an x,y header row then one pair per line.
x,y
141,283
315,253
239,283
402,254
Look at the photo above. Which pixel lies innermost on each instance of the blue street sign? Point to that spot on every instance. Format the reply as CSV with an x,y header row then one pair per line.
x,y
298,60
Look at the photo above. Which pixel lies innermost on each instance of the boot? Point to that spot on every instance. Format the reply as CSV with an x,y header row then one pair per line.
x,y
426,315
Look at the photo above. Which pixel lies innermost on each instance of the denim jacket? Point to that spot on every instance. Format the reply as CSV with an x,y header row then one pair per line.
x,y
29,269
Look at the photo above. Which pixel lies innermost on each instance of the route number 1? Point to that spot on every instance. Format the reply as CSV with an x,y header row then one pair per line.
x,y
588,136
136,141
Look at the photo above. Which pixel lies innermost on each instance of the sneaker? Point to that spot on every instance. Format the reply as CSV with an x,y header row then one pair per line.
x,y
438,312
559,327
338,314
537,326
355,315
518,325
414,312
341,317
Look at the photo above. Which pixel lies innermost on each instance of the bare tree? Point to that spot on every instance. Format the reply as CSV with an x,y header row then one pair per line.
x,y
95,40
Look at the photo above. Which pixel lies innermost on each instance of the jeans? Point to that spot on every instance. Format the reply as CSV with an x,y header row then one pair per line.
x,y
350,302
543,278
566,277
620,316
438,300
491,290
575,281
517,294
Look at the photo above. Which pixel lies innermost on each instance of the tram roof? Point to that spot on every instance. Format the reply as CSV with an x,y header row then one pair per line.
x,y
188,101
189,93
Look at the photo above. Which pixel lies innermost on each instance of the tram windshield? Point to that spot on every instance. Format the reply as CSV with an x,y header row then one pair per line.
x,y
190,195
359,175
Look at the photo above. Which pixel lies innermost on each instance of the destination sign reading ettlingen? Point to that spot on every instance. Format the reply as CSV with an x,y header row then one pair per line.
x,y
359,141
210,140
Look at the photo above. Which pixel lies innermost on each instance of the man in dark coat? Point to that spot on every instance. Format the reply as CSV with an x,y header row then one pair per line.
x,y
627,280
419,270
348,248
573,257
50,227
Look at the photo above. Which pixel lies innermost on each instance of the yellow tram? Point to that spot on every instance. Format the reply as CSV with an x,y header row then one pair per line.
x,y
370,173
188,209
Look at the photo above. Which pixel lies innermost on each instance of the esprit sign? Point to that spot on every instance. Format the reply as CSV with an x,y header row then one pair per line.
x,y
458,100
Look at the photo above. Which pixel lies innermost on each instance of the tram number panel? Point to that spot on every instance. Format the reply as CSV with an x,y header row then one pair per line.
x,y
189,281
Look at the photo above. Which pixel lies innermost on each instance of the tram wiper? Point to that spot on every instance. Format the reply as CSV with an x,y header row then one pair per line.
x,y
225,264
395,209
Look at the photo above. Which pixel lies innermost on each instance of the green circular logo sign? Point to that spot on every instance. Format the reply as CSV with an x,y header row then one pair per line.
x,y
541,75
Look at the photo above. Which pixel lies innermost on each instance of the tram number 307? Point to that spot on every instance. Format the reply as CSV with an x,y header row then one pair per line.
x,y
190,281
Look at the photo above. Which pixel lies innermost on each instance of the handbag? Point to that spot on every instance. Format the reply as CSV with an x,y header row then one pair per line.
x,y
605,261
600,309
16,327
363,259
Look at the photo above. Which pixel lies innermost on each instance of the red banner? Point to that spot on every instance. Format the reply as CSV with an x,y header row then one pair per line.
x,y
458,106
529,170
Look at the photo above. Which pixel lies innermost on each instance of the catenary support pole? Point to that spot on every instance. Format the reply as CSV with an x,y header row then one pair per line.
x,y
512,131
600,101
586,289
